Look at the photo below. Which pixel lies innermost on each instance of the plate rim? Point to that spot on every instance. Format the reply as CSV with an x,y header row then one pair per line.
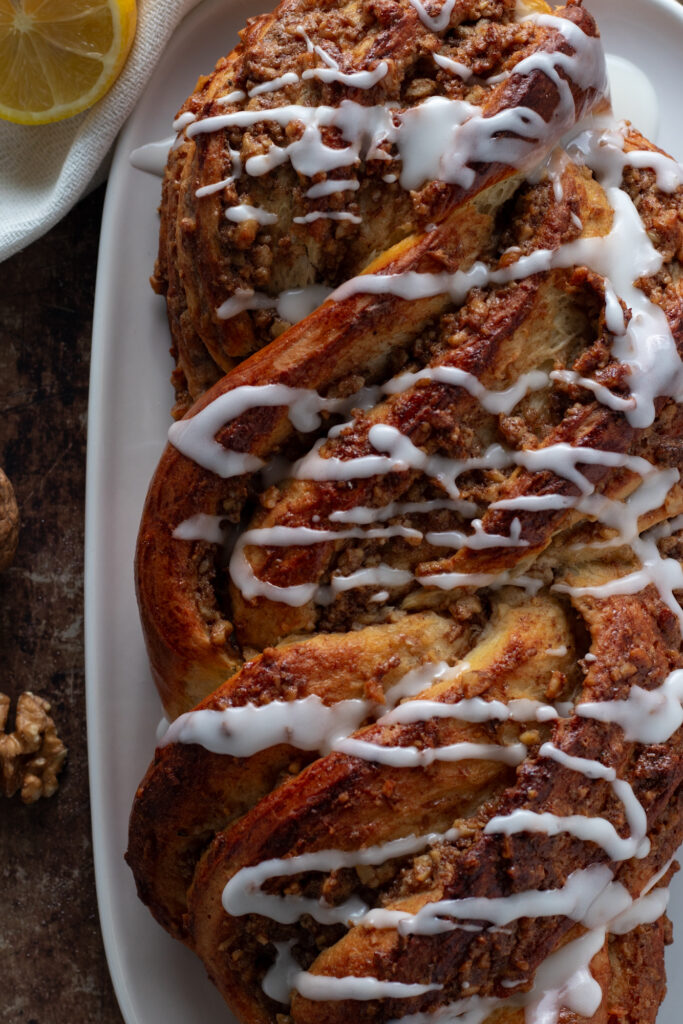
x,y
94,498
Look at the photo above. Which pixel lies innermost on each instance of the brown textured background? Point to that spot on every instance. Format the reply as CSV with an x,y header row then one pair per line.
x,y
52,964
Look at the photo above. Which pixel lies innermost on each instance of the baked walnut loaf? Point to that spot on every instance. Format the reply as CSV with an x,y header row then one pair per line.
x,y
409,575
305,239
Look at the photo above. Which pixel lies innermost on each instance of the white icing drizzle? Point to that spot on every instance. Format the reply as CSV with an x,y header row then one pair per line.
x,y
665,574
646,345
667,528
243,212
289,78
183,120
241,300
474,709
236,96
563,979
422,757
308,218
332,186
320,987
478,540
493,401
438,22
201,527
603,394
332,72
441,139
364,515
307,724
646,716
243,894
294,302
573,900
152,157
604,153
310,724
461,70
218,186
195,437
296,595
279,979
560,458
596,830
356,79
215,186
402,455
286,974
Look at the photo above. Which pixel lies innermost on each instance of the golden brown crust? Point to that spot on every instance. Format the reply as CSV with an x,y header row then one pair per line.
x,y
189,793
456,527
343,794
204,258
196,633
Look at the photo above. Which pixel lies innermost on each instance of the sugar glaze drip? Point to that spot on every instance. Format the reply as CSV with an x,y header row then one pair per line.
x,y
646,346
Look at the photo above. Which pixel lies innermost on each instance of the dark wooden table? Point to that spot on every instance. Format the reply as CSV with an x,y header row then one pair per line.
x,y
52,964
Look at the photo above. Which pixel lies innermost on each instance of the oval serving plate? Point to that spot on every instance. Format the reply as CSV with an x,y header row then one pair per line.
x,y
158,981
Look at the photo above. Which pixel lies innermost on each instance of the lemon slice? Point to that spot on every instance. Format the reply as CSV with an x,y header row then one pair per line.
x,y
58,57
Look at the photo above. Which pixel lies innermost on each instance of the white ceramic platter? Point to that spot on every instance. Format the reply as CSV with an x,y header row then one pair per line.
x,y
157,980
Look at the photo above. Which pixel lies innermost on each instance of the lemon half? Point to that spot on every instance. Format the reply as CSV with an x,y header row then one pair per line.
x,y
58,57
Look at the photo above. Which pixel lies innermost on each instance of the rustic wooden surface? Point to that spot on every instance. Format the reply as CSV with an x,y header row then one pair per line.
x,y
52,964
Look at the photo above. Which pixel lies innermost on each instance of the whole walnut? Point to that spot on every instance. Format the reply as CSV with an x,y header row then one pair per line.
x,y
9,522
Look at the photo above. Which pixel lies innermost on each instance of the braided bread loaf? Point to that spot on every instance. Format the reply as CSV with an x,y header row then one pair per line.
x,y
408,574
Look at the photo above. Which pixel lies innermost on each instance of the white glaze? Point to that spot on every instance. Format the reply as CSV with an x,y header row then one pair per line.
x,y
195,436
243,893
296,595
332,186
590,829
573,900
646,716
243,212
201,527
493,401
422,757
320,987
236,96
440,138
563,980
472,709
152,157
289,78
454,66
646,346
308,218
356,79
307,724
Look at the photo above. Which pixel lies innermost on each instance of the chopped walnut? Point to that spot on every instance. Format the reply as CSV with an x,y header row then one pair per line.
x,y
9,522
32,756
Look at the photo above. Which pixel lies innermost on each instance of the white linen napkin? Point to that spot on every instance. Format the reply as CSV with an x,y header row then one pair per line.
x,y
46,169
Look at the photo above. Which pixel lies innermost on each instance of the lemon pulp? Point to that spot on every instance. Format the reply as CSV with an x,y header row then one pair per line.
x,y
58,57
